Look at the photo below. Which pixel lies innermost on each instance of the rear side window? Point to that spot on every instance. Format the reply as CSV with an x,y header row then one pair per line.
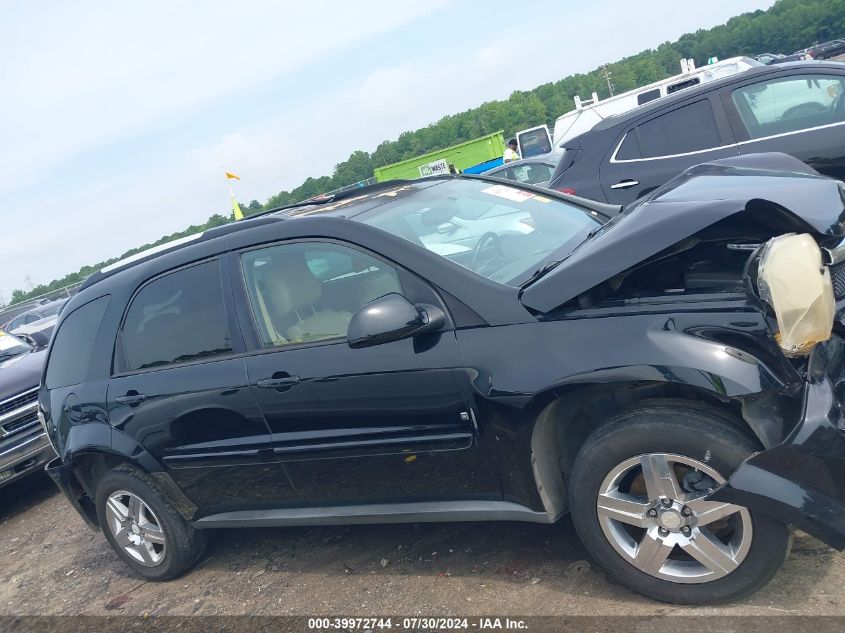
x,y
687,129
177,318
73,344
790,104
630,148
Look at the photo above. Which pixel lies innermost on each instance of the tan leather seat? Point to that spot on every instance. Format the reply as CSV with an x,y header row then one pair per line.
x,y
290,290
377,286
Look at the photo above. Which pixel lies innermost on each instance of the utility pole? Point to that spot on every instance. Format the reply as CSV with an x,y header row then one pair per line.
x,y
606,75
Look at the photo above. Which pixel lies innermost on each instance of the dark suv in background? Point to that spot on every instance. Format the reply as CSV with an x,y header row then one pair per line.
x,y
795,108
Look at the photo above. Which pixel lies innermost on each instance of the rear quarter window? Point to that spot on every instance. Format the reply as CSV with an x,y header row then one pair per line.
x,y
73,344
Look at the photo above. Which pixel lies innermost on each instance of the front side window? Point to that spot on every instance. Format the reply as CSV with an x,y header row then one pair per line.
x,y
177,318
688,129
498,231
304,292
790,104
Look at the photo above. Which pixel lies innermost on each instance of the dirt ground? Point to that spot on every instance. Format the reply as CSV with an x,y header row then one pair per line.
x,y
53,564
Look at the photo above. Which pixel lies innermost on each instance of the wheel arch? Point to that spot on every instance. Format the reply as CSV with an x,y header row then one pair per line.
x,y
566,414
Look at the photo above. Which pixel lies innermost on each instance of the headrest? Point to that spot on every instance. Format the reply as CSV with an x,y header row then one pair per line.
x,y
289,285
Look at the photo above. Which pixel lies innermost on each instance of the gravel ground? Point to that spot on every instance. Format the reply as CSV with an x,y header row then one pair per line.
x,y
54,565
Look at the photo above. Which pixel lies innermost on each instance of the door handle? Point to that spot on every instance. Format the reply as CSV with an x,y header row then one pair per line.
x,y
279,383
131,398
624,184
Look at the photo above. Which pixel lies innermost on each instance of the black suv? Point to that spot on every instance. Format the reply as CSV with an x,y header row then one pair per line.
x,y
459,349
796,108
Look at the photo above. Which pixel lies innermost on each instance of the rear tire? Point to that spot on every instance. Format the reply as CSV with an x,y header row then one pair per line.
x,y
673,552
143,527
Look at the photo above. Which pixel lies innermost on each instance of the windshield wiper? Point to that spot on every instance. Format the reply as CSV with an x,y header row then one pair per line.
x,y
8,355
542,270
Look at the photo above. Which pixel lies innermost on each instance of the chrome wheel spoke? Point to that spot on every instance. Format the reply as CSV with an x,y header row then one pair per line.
x,y
652,552
710,552
709,511
622,507
659,477
135,508
145,553
115,509
152,534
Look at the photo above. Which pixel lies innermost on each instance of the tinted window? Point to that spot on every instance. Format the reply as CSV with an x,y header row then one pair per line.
x,y
74,343
177,318
630,148
308,291
686,129
645,97
790,104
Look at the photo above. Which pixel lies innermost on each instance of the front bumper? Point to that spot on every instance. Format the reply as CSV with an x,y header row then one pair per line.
x,y
802,480
25,456
63,476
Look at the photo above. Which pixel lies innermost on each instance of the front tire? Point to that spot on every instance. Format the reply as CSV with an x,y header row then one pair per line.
x,y
635,492
143,527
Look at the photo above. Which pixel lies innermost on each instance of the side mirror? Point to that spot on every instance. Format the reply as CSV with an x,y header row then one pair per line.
x,y
391,318
37,339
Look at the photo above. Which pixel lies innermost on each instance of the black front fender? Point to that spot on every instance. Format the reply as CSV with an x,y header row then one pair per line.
x,y
802,480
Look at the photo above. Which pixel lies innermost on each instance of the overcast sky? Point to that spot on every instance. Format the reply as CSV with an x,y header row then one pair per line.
x,y
117,118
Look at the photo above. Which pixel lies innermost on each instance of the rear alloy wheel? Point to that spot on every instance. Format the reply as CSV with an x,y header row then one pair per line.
x,y
135,528
637,491
143,526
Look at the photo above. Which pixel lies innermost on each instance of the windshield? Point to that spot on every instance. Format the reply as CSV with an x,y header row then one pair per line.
x,y
497,231
11,346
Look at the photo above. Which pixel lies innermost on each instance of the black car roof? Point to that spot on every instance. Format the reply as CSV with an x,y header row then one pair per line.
x,y
683,95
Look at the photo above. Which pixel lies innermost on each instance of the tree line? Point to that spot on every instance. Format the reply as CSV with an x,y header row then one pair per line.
x,y
787,26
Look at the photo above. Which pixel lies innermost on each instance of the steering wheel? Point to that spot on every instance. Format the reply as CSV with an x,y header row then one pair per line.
x,y
487,252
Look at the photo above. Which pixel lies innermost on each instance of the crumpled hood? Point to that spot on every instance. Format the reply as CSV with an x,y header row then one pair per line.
x,y
696,199
21,373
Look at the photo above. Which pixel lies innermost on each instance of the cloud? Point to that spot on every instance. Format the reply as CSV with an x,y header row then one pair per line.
x,y
181,185
81,75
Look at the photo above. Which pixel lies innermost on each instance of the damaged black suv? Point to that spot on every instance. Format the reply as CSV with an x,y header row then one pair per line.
x,y
461,349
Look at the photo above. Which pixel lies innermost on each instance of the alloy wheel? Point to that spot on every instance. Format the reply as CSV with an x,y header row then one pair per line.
x,y
136,528
651,509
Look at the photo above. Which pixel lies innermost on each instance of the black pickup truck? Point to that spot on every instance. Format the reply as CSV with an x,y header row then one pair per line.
x,y
24,447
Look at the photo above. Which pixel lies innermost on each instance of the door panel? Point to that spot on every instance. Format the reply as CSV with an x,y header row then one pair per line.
x,y
655,150
203,424
355,425
182,393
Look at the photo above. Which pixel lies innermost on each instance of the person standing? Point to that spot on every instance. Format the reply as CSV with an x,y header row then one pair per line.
x,y
510,153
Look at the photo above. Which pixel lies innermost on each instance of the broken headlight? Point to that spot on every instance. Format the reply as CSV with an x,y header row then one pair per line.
x,y
793,280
